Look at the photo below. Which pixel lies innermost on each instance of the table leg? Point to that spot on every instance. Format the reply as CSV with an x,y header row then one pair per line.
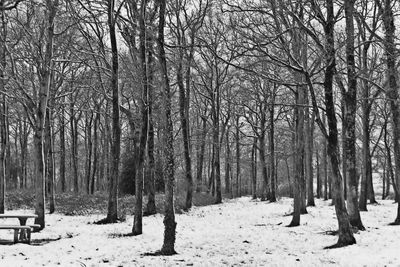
x,y
22,233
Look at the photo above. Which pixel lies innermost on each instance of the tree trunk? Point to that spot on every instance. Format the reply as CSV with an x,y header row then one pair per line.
x,y
74,146
228,165
3,117
168,247
62,148
237,135
272,144
141,147
40,116
349,122
389,163
345,234
309,138
112,212
319,183
89,151
95,149
151,196
49,157
254,168
184,119
299,154
200,161
392,90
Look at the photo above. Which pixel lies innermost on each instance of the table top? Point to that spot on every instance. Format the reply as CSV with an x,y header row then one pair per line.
x,y
18,216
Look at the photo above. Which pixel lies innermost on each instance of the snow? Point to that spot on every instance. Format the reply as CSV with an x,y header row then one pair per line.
x,y
239,232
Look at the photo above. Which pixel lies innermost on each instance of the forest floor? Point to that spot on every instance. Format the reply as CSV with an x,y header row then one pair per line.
x,y
239,232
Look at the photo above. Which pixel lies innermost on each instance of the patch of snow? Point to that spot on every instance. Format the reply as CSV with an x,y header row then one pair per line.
x,y
239,232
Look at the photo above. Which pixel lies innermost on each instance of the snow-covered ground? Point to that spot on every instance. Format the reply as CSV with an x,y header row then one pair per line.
x,y
238,232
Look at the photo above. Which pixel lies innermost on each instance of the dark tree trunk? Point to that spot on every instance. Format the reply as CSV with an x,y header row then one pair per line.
x,y
95,149
62,148
200,161
237,135
3,117
272,145
325,163
168,247
309,136
74,146
141,147
349,122
392,90
390,164
184,118
50,161
89,151
151,196
319,183
112,212
299,155
228,165
254,168
3,138
345,234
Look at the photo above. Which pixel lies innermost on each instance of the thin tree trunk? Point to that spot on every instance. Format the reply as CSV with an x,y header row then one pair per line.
x,y
200,161
141,147
319,184
238,155
95,149
112,212
299,155
168,247
40,116
3,117
50,162
151,196
62,148
89,151
254,168
309,136
227,165
74,146
272,144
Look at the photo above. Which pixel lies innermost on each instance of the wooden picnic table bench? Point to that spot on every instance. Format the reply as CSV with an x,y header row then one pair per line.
x,y
22,232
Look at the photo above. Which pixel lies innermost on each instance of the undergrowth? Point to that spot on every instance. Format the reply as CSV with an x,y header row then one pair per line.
x,y
83,204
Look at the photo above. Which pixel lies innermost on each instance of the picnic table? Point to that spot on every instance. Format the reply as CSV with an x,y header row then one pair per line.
x,y
22,232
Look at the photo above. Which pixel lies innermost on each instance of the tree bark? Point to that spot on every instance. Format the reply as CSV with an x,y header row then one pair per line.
x,y
228,168
3,117
200,161
168,247
392,90
151,196
272,144
349,121
345,234
112,212
254,168
141,147
49,157
40,115
62,147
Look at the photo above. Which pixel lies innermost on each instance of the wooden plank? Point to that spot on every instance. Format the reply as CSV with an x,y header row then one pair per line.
x,y
18,216
19,227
